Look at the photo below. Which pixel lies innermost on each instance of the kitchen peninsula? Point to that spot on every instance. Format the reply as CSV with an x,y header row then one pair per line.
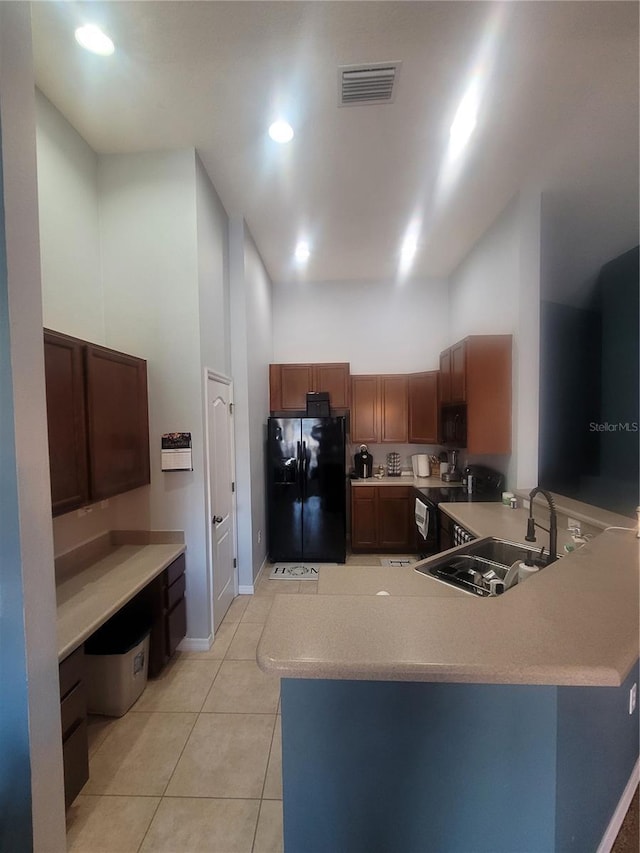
x,y
447,722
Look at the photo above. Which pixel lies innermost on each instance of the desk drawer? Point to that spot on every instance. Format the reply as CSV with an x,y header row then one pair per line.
x,y
75,756
175,592
175,569
176,626
73,708
71,671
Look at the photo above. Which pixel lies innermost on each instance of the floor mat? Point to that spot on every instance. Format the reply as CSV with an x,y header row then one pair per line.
x,y
296,571
395,562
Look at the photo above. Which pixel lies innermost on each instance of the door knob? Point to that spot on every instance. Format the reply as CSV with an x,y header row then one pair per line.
x,y
216,519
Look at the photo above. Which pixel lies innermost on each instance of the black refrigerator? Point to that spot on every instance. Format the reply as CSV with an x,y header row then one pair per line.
x,y
306,481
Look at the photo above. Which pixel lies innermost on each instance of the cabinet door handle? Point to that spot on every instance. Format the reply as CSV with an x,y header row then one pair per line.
x,y
216,519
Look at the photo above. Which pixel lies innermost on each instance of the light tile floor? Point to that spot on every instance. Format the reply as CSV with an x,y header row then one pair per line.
x,y
196,764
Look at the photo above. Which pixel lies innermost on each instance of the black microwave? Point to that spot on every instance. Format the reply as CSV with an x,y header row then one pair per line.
x,y
453,425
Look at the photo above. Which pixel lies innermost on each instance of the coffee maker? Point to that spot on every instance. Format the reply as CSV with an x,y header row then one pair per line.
x,y
363,463
453,475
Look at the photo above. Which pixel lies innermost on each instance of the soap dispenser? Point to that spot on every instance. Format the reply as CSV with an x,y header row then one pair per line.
x,y
526,569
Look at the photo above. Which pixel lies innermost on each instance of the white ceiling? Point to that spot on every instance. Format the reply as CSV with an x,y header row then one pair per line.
x,y
213,75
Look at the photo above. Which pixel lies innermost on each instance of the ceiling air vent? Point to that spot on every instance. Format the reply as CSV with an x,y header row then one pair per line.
x,y
367,84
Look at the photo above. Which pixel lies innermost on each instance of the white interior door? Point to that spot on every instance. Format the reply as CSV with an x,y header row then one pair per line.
x,y
221,503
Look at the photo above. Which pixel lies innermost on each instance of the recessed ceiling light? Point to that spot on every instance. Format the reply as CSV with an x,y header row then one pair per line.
x,y
302,252
92,38
281,131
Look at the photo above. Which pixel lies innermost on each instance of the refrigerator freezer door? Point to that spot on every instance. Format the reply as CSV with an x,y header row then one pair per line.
x,y
284,452
323,490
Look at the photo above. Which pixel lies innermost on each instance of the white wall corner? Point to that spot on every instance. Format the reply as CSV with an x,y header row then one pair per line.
x,y
38,651
527,380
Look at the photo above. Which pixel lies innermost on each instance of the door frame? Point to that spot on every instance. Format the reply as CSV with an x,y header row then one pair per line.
x,y
224,380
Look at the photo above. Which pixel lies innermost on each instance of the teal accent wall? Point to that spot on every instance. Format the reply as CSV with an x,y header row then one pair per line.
x,y
15,773
387,767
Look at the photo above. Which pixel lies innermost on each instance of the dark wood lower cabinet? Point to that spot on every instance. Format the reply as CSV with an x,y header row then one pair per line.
x,y
73,715
444,530
168,606
364,522
382,519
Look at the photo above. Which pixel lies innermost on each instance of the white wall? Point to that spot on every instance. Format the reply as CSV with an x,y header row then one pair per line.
x,y
72,294
377,326
213,275
260,355
251,354
27,583
148,221
69,231
496,290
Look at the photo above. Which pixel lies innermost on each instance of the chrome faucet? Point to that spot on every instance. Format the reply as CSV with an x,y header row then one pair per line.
x,y
552,530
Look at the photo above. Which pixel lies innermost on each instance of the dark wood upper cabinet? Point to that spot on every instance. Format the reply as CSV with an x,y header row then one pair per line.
x,y
364,409
488,393
379,409
423,408
333,378
97,419
458,392
296,380
394,409
289,385
117,422
445,376
64,376
477,372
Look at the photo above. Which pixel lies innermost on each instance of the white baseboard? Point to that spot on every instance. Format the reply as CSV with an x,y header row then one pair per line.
x,y
196,644
619,814
249,589
260,571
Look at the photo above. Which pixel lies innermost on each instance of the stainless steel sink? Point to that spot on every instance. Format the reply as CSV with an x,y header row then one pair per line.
x,y
480,567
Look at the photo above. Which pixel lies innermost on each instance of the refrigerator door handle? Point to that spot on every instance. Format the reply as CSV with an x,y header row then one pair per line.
x,y
304,469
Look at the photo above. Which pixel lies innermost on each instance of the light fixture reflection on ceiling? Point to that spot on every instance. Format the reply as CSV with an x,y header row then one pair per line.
x,y
302,252
409,246
465,119
92,38
281,131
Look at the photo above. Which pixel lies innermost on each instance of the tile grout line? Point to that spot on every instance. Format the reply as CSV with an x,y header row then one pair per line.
x,y
264,783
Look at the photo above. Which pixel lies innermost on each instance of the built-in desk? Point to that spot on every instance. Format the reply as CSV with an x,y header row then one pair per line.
x,y
88,599
94,583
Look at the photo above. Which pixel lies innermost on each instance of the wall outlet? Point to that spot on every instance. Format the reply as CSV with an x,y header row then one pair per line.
x,y
259,536
633,698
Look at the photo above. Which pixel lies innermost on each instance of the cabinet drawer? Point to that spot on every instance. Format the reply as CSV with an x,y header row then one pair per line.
x,y
73,708
71,671
394,491
175,592
75,757
176,626
175,569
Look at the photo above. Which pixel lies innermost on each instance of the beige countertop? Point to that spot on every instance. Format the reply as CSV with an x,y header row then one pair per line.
x,y
574,623
372,580
418,482
495,519
87,599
